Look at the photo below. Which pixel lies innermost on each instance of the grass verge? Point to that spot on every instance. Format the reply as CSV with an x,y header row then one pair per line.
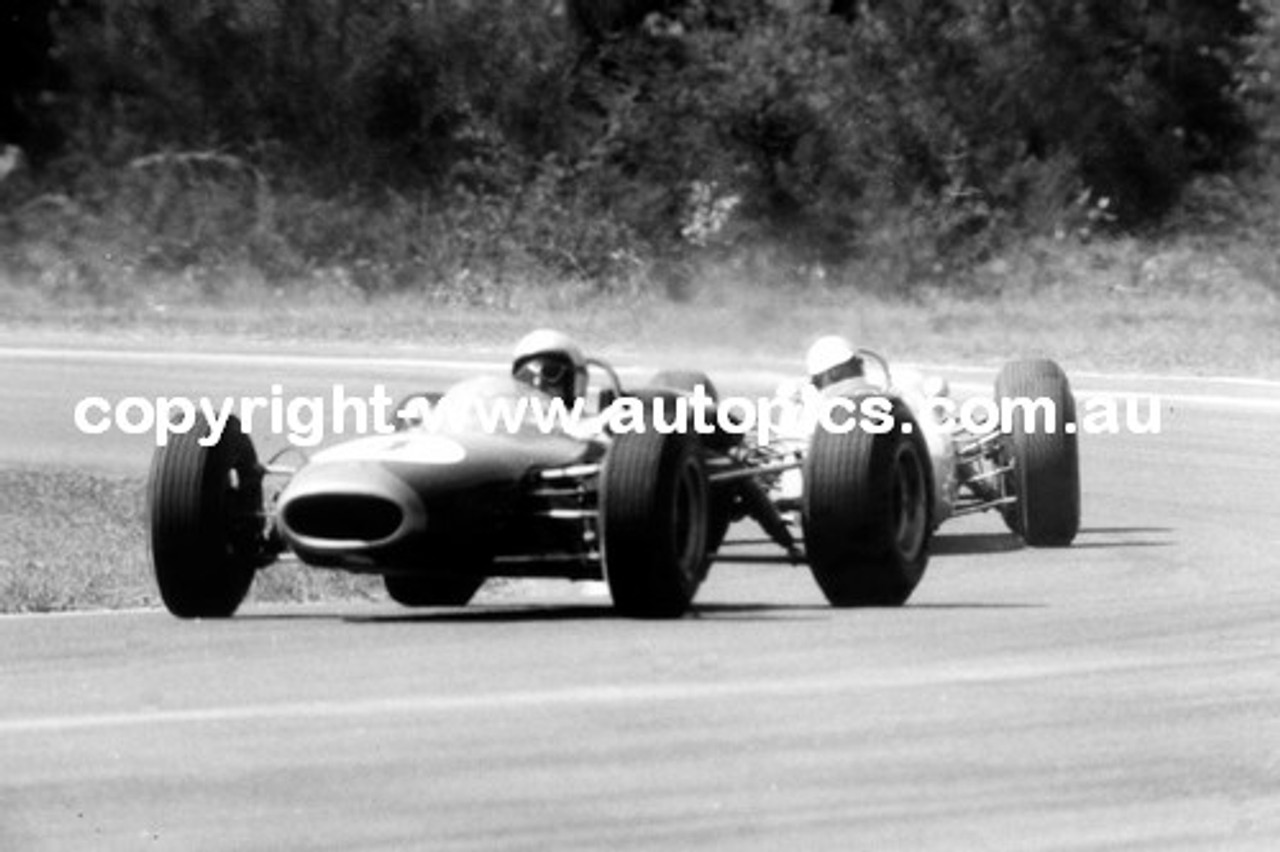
x,y
77,541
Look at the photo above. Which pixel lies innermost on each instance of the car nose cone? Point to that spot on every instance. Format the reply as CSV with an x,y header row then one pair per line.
x,y
348,506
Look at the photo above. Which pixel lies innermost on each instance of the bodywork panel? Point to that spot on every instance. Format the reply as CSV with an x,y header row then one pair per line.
x,y
462,497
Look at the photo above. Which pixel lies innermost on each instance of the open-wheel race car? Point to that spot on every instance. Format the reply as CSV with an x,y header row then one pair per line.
x,y
437,509
860,505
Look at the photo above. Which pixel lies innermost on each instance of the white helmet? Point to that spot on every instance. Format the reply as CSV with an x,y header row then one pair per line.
x,y
550,361
830,359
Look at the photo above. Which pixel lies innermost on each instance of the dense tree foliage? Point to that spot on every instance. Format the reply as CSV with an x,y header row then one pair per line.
x,y
591,134
27,71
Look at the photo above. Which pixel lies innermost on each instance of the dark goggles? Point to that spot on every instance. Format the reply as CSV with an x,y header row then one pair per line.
x,y
850,369
544,371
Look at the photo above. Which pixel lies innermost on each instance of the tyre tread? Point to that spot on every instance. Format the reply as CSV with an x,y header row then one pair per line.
x,y
1047,465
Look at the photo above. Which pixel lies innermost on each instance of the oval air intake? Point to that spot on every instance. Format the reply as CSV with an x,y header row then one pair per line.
x,y
344,517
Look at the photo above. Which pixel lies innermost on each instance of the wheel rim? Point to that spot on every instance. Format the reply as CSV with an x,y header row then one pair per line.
x,y
241,500
909,502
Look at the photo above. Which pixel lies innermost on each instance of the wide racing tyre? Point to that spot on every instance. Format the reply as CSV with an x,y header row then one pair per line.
x,y
430,590
865,511
653,520
1046,461
205,509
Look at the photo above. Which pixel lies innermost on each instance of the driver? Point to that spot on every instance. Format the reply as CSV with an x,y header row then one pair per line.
x,y
829,360
551,362
832,359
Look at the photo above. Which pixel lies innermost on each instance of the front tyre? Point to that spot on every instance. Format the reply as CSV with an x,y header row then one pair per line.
x,y
205,509
653,519
1044,453
865,511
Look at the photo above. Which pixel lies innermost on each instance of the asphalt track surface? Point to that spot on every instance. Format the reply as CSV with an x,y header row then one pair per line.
x,y
1120,694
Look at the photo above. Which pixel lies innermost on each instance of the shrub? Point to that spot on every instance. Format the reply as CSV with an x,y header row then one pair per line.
x,y
417,144
970,120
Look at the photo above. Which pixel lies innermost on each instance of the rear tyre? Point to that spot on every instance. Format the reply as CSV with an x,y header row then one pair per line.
x,y
414,590
653,518
1045,455
866,513
205,509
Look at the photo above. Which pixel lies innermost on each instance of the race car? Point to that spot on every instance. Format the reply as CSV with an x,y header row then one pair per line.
x,y
438,509
860,505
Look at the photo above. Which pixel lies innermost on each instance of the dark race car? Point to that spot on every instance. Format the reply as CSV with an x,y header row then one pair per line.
x,y
438,509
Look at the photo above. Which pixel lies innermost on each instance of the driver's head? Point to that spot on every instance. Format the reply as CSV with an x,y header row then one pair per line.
x,y
832,359
551,362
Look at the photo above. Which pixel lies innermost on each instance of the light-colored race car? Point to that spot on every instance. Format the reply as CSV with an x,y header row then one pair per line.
x,y
860,505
